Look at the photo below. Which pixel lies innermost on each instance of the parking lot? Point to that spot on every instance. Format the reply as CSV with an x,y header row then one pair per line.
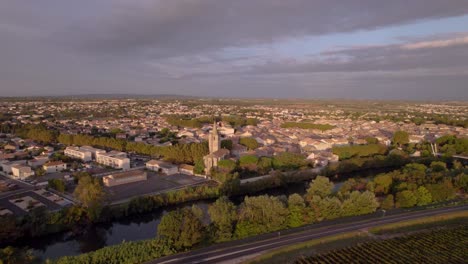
x,y
22,203
156,183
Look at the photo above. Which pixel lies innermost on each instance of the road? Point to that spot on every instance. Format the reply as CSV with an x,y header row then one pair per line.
x,y
232,252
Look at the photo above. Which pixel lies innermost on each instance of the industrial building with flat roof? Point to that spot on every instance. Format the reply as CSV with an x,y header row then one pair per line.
x,y
124,178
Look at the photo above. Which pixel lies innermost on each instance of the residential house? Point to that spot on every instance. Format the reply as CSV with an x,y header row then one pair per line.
x,y
21,171
54,166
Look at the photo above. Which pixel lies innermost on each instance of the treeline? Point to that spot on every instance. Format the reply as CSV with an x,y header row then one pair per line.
x,y
393,160
346,152
253,165
38,133
304,125
189,121
180,153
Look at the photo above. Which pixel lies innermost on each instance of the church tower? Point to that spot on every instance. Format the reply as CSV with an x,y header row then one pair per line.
x,y
214,143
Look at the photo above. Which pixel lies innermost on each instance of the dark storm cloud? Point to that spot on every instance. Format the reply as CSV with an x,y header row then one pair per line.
x,y
167,28
56,47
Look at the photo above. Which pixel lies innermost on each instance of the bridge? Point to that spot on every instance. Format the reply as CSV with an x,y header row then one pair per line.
x,y
435,152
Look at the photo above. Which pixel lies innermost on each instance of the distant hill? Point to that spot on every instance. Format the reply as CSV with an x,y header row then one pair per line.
x,y
102,96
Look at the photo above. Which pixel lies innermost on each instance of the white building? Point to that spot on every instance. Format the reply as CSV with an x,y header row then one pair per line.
x,y
77,153
21,171
161,166
38,161
114,159
54,166
94,151
7,165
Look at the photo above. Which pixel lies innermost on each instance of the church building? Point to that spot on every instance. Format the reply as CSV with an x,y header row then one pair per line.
x,y
216,152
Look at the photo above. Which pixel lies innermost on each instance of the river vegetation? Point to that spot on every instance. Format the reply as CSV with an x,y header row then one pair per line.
x,y
183,229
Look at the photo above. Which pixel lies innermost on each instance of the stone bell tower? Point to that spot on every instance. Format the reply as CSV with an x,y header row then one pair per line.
x,y
214,143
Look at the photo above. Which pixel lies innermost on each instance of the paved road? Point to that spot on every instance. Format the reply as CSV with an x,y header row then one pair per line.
x,y
231,252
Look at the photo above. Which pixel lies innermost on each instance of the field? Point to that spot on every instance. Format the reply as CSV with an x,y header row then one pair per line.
x,y
437,246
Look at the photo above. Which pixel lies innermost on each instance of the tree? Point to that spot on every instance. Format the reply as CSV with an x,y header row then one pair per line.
x,y
248,162
423,196
181,228
264,165
360,203
227,165
438,166
199,167
296,206
388,202
11,255
90,193
383,182
325,208
441,191
223,214
461,182
40,172
406,199
57,184
321,187
288,160
400,138
414,173
260,214
226,144
249,142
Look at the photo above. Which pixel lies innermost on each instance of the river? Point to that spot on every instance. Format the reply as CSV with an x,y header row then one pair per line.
x,y
136,227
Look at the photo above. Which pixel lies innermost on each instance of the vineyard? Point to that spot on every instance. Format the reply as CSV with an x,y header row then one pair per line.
x,y
437,246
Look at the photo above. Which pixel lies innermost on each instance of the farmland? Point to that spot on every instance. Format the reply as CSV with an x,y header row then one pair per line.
x,y
436,246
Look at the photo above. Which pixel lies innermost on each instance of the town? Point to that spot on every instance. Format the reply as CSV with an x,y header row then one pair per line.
x,y
39,171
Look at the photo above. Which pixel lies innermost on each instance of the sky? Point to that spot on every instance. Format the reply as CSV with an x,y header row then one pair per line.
x,y
353,49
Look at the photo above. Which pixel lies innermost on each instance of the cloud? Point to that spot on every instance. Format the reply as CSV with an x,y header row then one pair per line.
x,y
437,43
436,54
174,28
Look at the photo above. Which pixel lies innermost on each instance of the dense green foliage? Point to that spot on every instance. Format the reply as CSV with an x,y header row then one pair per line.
x,y
301,125
37,132
11,255
400,138
249,142
57,184
223,216
437,246
346,152
261,214
451,145
182,229
288,161
91,195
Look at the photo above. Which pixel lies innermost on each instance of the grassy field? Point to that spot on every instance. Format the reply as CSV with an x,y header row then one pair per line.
x,y
307,250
